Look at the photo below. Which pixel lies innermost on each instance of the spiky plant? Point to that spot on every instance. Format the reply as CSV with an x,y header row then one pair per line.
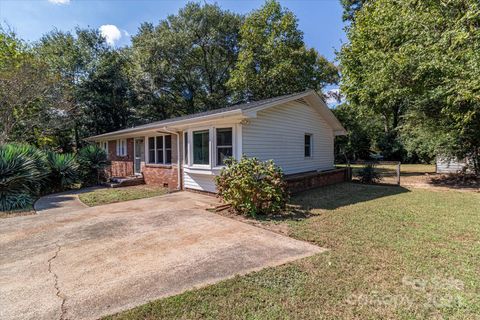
x,y
63,171
22,175
93,161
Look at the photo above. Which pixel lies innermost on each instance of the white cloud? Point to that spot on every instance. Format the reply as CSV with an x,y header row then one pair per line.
x,y
333,96
111,33
59,1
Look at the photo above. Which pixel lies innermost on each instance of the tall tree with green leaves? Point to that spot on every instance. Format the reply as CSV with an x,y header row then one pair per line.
x,y
183,63
25,90
107,94
73,57
273,58
416,63
351,7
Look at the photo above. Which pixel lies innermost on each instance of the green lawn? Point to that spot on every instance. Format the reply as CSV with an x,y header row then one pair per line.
x,y
112,195
394,253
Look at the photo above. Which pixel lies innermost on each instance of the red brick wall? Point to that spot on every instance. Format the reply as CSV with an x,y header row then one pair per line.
x,y
121,166
301,182
161,175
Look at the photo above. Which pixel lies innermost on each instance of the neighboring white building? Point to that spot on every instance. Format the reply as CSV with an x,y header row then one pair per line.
x,y
449,165
296,131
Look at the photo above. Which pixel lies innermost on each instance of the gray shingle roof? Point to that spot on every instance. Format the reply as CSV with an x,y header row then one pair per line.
x,y
243,106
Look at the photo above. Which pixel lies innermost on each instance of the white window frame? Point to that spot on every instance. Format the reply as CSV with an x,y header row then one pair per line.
x,y
164,148
223,146
121,147
191,145
311,145
212,165
103,144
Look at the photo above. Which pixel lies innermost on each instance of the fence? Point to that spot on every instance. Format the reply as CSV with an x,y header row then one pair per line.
x,y
387,172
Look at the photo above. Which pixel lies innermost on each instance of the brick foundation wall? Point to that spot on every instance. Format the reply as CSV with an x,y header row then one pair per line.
x,y
161,176
120,166
310,180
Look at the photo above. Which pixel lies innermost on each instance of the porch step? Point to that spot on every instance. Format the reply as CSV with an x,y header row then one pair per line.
x,y
117,182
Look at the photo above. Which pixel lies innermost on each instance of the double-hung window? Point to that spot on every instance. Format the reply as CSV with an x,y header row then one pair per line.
x,y
160,150
308,145
121,147
185,147
201,149
224,145
103,145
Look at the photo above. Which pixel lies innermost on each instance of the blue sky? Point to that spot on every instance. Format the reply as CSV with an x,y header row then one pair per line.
x,y
320,20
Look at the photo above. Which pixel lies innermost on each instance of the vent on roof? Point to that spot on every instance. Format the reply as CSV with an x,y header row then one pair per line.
x,y
301,100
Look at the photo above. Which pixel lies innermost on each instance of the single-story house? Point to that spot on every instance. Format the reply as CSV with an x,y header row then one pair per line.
x,y
297,131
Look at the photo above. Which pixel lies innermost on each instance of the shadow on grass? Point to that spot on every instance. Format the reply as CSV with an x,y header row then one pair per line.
x,y
456,181
343,194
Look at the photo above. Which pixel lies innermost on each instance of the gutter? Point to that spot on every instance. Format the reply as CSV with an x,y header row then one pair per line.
x,y
179,174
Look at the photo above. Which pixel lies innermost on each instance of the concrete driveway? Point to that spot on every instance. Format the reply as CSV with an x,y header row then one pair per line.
x,y
91,262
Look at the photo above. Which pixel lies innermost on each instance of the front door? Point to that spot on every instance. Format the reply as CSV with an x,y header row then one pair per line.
x,y
139,155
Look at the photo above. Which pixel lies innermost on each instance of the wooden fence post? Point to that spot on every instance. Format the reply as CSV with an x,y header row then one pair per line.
x,y
398,173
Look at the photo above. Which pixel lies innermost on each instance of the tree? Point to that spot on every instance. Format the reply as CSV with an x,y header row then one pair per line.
x,y
107,94
416,63
73,58
350,8
183,63
25,89
273,59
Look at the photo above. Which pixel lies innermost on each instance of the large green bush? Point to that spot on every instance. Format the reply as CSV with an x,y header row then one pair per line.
x,y
252,187
92,161
23,174
63,171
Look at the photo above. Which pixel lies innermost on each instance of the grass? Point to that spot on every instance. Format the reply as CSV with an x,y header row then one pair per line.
x,y
394,253
112,195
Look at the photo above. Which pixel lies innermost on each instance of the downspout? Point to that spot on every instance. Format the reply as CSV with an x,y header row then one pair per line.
x,y
179,174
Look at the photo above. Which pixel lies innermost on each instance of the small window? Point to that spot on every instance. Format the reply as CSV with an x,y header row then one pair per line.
x,y
103,145
151,150
224,145
160,150
201,152
308,145
121,147
168,149
185,147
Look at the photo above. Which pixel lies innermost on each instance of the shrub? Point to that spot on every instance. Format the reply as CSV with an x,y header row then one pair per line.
x,y
252,187
368,174
22,175
92,161
63,171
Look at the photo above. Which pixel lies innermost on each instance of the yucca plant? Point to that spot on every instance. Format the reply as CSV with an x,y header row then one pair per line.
x,y
22,175
93,161
63,171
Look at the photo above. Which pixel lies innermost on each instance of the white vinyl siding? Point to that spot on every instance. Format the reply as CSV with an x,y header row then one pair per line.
x,y
205,182
278,133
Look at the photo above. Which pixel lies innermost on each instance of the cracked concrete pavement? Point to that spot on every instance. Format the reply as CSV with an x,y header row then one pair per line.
x,y
90,262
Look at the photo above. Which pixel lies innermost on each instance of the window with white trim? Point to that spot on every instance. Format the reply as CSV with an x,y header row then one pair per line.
x,y
121,147
308,145
224,145
185,147
201,149
103,145
160,149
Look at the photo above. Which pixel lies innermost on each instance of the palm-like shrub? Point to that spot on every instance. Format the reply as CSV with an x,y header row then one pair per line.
x,y
22,175
63,171
93,161
252,187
